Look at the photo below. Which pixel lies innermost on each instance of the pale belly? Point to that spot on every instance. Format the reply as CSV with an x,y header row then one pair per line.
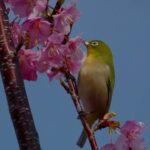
x,y
93,92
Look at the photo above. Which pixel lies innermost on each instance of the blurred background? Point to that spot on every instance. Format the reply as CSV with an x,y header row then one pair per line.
x,y
125,27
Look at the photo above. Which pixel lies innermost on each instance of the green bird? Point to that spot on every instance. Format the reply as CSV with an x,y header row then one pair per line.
x,y
95,83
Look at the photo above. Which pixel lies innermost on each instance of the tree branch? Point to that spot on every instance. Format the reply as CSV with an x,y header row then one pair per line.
x,y
74,95
14,87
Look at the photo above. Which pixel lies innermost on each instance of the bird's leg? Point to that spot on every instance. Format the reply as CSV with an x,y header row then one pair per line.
x,y
83,113
100,125
106,122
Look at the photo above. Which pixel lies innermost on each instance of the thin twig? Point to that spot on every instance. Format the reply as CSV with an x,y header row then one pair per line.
x,y
74,95
71,88
62,82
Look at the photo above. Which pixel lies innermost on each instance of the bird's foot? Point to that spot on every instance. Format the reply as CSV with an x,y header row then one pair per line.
x,y
83,113
109,115
106,122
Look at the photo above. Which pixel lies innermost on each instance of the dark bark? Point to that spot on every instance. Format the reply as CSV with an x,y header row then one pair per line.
x,y
14,87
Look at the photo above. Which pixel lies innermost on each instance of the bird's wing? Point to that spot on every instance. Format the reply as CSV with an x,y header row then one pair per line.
x,y
109,95
110,87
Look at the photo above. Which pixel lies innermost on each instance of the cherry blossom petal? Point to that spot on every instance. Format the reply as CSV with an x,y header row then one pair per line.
x,y
38,29
28,62
22,8
130,137
38,8
132,129
16,33
66,17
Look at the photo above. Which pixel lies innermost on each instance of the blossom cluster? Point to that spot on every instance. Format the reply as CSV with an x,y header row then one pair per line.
x,y
130,137
43,38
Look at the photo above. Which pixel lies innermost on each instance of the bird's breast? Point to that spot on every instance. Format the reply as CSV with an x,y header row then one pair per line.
x,y
92,87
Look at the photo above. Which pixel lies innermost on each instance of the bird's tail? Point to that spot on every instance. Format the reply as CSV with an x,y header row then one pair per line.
x,y
82,139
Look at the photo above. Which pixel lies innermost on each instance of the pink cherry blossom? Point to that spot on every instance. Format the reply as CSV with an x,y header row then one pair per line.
x,y
130,136
65,18
16,33
55,54
52,54
22,7
38,8
56,38
132,129
74,54
53,75
38,30
124,143
28,62
73,48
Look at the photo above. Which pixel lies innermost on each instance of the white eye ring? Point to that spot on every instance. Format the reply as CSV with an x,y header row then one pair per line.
x,y
94,43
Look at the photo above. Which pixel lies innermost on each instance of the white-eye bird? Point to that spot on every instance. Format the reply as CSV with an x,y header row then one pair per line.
x,y
95,83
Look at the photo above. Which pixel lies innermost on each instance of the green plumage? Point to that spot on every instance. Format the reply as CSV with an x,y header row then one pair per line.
x,y
96,82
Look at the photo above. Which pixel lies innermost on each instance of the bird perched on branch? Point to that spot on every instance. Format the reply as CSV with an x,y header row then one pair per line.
x,y
95,83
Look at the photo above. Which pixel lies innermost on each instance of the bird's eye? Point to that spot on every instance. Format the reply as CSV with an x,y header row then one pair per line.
x,y
94,43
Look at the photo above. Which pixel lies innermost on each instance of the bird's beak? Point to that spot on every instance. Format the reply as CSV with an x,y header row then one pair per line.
x,y
86,43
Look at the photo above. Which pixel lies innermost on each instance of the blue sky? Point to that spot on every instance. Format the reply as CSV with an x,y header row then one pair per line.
x,y
125,26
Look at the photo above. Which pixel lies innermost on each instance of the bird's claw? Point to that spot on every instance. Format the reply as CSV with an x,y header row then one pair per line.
x,y
82,114
107,122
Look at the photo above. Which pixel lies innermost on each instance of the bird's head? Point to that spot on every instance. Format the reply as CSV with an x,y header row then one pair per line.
x,y
95,44
97,47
